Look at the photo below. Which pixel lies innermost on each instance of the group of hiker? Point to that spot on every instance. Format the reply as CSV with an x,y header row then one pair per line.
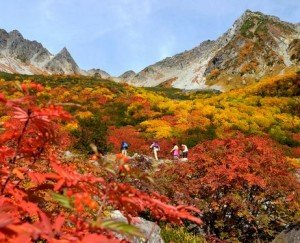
x,y
175,151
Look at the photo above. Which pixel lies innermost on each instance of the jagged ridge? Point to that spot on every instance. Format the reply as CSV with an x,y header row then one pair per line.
x,y
19,55
256,45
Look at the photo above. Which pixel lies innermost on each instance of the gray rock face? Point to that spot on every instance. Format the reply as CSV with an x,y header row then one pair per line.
x,y
254,45
291,235
14,45
127,75
19,55
3,39
259,41
98,72
63,63
149,229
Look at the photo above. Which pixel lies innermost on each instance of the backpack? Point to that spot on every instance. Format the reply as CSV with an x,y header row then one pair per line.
x,y
125,145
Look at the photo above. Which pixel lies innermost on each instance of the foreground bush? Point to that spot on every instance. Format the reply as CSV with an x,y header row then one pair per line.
x,y
45,199
244,186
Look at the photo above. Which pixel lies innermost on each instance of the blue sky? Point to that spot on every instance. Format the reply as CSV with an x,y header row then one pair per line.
x,y
121,35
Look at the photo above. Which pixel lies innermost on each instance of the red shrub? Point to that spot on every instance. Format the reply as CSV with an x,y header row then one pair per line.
x,y
296,152
137,143
129,134
236,182
44,199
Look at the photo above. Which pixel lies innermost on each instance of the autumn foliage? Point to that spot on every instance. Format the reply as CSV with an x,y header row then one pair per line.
x,y
244,186
137,142
45,198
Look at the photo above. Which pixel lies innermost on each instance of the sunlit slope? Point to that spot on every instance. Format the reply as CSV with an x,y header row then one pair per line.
x,y
103,109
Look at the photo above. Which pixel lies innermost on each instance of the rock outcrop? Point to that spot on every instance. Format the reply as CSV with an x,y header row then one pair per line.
x,y
149,229
128,75
63,63
98,73
290,235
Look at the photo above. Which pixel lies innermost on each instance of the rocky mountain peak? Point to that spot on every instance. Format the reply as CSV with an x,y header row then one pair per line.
x,y
258,22
248,13
3,34
15,34
19,55
97,73
255,45
64,55
64,52
127,74
63,63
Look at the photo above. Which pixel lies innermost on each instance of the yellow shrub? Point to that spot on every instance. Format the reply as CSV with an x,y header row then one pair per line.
x,y
158,128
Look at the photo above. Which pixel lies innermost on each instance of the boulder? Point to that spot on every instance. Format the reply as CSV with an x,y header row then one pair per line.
x,y
290,235
150,229
69,155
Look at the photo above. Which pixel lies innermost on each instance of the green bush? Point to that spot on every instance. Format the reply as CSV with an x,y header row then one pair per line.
x,y
91,130
180,235
246,27
282,137
197,135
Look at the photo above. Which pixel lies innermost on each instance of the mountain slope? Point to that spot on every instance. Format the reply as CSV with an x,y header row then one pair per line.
x,y
19,55
256,45
63,63
97,72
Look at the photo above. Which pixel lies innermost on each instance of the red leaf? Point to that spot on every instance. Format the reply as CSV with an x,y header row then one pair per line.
x,y
23,238
20,114
58,223
5,219
2,98
37,177
59,184
45,223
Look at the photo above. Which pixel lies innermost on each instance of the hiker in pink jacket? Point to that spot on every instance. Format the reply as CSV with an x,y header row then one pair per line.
x,y
175,151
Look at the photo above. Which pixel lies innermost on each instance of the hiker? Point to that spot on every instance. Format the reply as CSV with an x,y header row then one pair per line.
x,y
185,151
124,148
155,148
175,151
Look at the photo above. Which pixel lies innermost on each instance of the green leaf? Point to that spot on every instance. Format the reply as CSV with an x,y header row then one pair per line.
x,y
120,227
62,200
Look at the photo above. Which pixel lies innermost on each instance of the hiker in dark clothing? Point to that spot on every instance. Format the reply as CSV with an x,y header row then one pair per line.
x,y
124,148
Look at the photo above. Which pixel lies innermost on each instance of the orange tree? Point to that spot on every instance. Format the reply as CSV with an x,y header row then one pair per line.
x,y
44,198
244,186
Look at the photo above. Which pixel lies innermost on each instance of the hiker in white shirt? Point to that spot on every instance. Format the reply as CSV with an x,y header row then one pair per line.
x,y
185,151
155,147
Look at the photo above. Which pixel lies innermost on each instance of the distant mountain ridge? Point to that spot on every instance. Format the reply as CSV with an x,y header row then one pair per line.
x,y
254,46
19,55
